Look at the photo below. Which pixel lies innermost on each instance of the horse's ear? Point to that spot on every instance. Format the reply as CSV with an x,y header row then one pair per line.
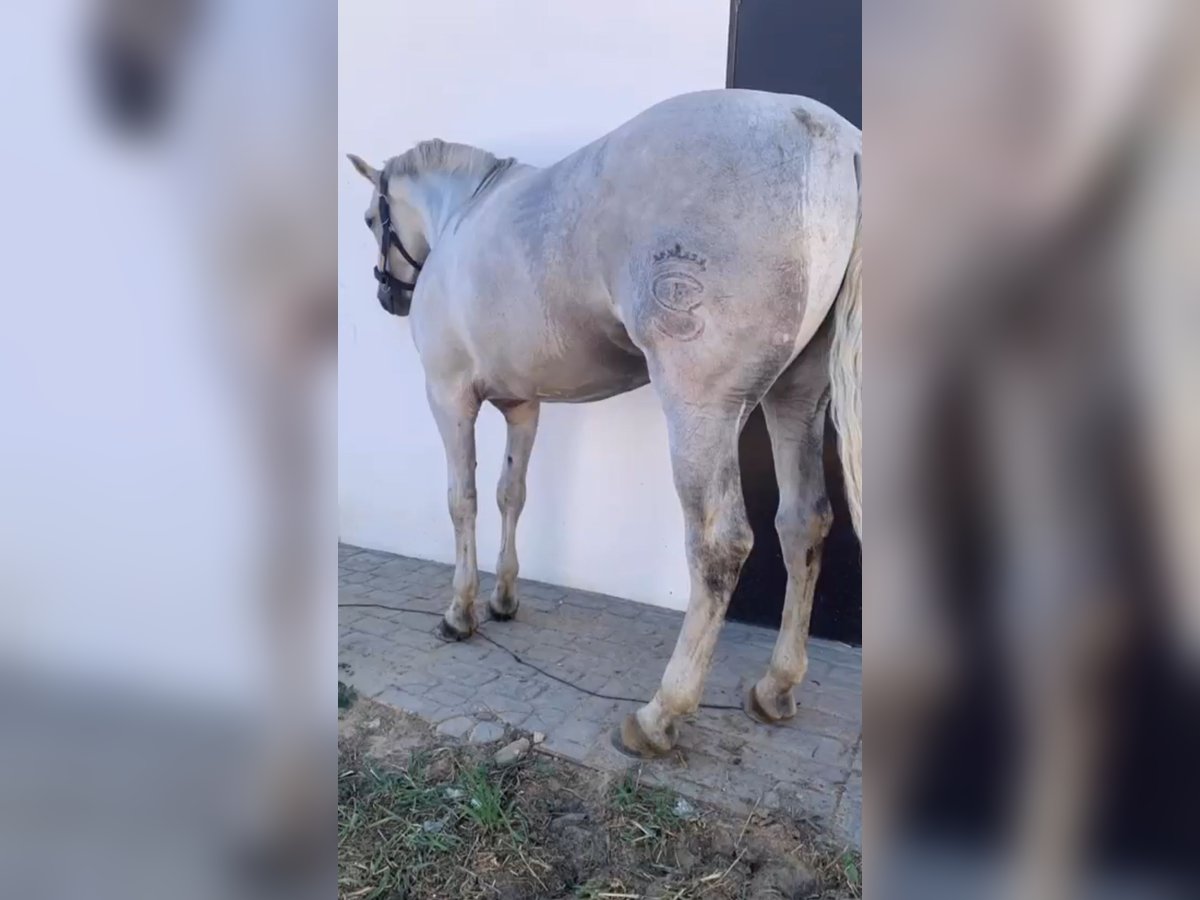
x,y
365,170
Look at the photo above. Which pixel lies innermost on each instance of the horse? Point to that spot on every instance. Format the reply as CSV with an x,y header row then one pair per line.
x,y
709,247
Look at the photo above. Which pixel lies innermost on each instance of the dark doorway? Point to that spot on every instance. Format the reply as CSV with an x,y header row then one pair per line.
x,y
814,48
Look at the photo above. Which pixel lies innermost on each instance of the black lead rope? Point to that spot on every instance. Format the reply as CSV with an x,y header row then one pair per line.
x,y
391,239
526,663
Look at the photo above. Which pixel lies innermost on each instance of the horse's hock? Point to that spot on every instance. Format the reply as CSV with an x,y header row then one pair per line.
x,y
809,766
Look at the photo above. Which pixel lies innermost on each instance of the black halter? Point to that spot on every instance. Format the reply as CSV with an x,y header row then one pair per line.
x,y
391,239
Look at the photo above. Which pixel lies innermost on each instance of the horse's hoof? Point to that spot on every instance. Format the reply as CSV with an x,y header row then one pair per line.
x,y
451,634
631,740
783,707
503,612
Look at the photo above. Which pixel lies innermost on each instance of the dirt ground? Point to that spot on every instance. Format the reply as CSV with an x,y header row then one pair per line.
x,y
424,817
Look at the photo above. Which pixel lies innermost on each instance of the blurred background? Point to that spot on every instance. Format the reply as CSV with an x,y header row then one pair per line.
x,y
1031,607
166,465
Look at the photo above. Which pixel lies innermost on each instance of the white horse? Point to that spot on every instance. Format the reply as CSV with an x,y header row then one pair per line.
x,y
711,247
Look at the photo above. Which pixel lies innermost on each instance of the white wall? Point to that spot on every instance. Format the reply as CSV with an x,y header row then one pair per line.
x,y
534,79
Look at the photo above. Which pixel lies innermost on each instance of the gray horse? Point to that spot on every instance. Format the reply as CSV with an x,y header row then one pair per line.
x,y
710,247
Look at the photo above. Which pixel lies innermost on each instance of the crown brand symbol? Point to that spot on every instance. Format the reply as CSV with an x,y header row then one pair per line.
x,y
677,252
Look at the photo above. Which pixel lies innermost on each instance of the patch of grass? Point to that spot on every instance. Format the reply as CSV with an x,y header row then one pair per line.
x,y
346,695
392,826
399,831
839,871
844,873
484,801
849,867
645,814
438,821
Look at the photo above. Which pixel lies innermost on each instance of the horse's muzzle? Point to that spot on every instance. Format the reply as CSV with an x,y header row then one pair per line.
x,y
397,303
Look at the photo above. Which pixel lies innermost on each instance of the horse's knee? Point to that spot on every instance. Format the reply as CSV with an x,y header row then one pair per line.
x,y
463,505
510,495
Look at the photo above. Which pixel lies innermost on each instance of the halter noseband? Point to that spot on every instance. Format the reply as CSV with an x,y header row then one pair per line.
x,y
391,239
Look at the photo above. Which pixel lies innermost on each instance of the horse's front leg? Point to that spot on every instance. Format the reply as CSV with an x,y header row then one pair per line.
x,y
522,419
704,458
455,409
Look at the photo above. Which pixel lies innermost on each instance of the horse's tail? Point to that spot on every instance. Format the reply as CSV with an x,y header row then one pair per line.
x,y
845,367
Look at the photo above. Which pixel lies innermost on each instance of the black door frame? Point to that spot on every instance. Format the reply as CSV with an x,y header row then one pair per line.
x,y
731,53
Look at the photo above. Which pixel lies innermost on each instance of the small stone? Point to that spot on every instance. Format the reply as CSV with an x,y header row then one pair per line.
x,y
440,768
538,737
684,810
486,732
433,827
455,793
456,727
373,724
509,754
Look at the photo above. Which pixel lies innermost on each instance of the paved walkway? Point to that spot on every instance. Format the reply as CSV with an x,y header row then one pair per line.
x,y
810,766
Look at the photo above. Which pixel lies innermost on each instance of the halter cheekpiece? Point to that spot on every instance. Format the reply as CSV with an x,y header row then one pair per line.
x,y
391,239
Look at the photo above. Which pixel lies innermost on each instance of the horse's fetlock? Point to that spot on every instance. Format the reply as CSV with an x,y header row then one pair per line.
x,y
682,700
506,572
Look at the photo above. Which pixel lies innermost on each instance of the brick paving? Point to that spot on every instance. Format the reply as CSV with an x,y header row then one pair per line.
x,y
810,766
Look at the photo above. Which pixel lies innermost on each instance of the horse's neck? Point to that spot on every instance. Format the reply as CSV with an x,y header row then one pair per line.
x,y
441,198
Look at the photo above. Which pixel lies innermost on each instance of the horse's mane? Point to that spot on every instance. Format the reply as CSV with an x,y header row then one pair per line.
x,y
445,158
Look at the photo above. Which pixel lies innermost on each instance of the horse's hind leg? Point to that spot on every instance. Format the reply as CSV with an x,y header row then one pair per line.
x,y
455,410
522,419
704,457
795,412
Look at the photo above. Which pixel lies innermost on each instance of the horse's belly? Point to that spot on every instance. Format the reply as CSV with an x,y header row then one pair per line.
x,y
594,389
584,377
577,373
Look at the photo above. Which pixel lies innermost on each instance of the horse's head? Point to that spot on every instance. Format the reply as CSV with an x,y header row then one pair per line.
x,y
398,231
137,52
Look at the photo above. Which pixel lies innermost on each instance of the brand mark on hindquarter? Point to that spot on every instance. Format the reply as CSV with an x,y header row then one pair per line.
x,y
677,252
677,292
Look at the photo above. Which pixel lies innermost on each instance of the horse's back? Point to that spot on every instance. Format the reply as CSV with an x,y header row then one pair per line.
x,y
711,116
732,214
